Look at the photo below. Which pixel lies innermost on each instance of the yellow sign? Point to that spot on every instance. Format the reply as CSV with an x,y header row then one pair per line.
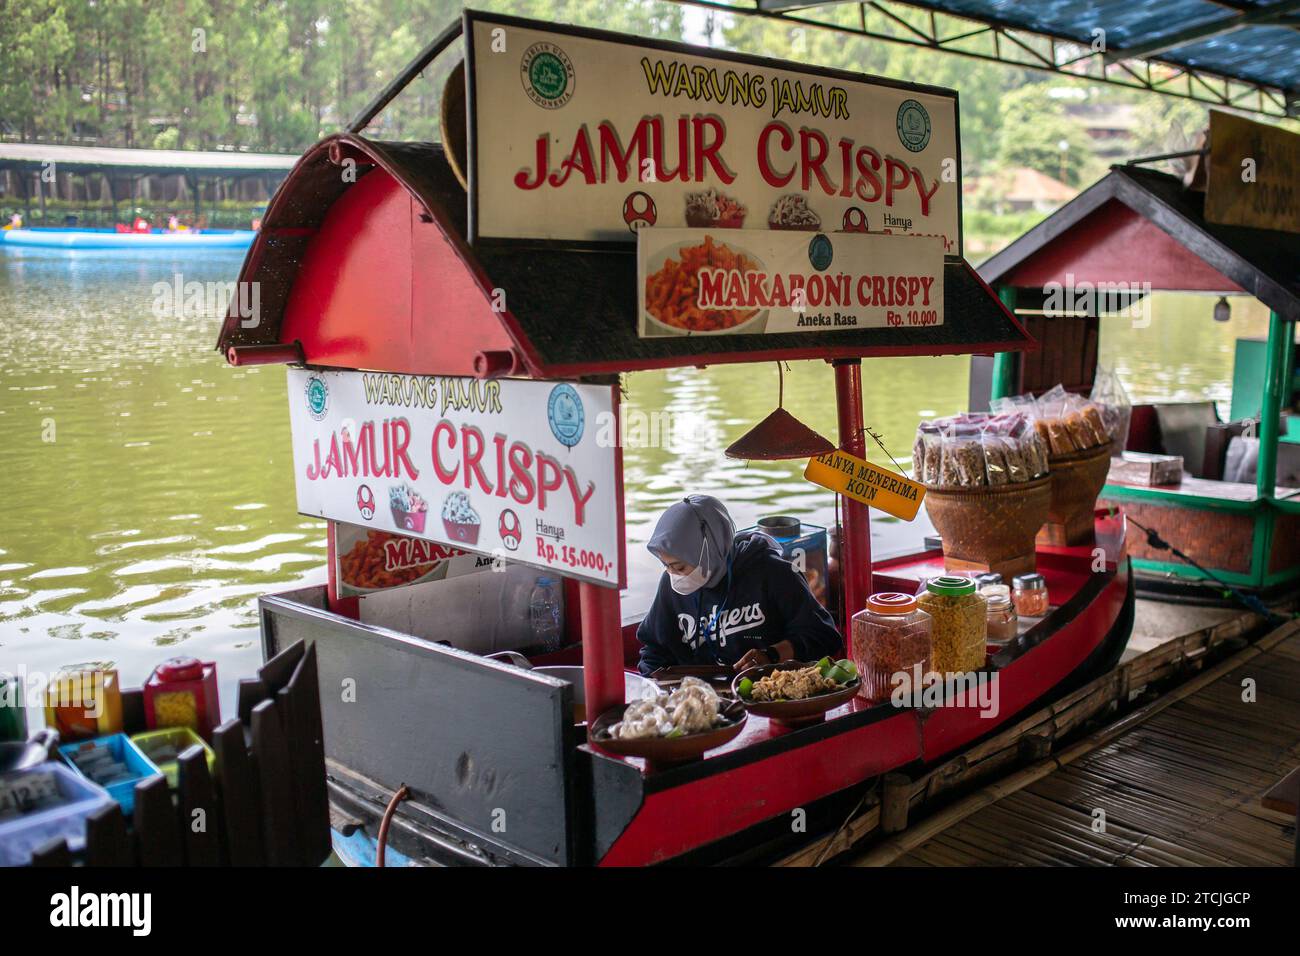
x,y
1252,178
862,481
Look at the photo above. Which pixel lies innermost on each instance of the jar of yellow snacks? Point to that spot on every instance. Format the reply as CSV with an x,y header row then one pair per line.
x,y
182,692
960,624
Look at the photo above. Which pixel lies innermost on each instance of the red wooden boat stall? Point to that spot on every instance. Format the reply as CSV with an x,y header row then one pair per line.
x,y
378,266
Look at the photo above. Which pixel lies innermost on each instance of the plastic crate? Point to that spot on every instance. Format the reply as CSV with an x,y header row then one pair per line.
x,y
179,739
77,796
121,748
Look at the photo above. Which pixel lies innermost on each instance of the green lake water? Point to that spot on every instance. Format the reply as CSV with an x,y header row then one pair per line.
x,y
148,493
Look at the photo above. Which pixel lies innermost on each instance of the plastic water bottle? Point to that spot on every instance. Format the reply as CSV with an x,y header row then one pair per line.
x,y
544,614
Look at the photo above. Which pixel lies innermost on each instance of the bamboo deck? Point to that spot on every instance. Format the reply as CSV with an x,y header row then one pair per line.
x,y
1180,788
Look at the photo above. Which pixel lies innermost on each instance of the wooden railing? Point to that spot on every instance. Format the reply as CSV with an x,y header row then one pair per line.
x,y
266,804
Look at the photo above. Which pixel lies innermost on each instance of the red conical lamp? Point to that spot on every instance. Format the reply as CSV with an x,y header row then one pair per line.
x,y
779,436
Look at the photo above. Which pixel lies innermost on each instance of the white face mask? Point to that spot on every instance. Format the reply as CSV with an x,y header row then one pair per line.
x,y
690,583
687,583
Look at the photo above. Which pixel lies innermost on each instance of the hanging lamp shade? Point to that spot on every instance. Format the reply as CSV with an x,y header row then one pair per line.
x,y
779,436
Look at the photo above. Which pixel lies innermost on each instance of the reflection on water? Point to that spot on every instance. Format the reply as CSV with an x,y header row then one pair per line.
x,y
1182,355
149,486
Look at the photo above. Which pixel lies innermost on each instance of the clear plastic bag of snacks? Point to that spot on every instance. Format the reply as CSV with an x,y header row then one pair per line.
x,y
962,462
927,454
1037,454
1113,403
996,467
1083,419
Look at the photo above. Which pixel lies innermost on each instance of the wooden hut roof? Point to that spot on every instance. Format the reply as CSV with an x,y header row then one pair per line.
x,y
1140,224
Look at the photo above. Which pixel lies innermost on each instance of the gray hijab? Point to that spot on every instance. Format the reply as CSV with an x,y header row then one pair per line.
x,y
698,531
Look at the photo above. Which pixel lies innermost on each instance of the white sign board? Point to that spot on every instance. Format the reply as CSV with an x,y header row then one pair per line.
x,y
524,471
745,281
585,136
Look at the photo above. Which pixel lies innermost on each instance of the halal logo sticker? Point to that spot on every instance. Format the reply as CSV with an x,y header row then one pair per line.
x,y
547,75
820,252
913,126
318,397
564,412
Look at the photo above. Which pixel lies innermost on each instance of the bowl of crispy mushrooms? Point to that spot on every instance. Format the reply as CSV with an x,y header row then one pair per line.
x,y
794,693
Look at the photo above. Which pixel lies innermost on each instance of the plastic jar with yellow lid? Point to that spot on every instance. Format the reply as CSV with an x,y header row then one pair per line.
x,y
960,630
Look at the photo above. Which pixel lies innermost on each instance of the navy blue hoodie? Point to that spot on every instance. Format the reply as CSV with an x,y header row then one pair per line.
x,y
761,601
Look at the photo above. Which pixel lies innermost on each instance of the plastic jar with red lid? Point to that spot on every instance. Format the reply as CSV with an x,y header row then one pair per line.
x,y
891,635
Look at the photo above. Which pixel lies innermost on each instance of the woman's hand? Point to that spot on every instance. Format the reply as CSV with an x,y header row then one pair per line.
x,y
753,658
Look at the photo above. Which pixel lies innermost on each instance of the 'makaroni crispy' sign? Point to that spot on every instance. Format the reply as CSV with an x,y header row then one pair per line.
x,y
744,281
583,136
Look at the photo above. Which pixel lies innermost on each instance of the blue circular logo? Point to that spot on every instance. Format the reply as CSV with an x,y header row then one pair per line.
x,y
820,252
913,126
564,412
318,397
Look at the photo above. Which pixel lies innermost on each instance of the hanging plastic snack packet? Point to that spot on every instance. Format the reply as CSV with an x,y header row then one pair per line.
x,y
927,453
963,458
1116,409
995,458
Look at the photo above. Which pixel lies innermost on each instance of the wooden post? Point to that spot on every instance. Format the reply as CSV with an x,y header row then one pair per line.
x,y
1035,747
855,534
155,824
239,803
53,852
271,754
107,842
896,792
196,801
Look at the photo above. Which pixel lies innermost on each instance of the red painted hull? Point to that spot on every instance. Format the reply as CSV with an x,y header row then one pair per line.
x,y
769,771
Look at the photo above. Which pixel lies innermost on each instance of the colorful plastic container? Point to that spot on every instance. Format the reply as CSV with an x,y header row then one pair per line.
x,y
13,709
128,763
890,636
84,701
43,803
803,545
182,692
164,747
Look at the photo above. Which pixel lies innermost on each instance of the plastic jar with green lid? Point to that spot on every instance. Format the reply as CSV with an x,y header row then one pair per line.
x,y
959,631
891,635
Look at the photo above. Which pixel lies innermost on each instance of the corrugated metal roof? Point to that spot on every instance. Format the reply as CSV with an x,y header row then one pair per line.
x,y
1241,53
1264,53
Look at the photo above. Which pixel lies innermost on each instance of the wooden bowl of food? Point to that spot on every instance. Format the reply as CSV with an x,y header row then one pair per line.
x,y
669,750
819,693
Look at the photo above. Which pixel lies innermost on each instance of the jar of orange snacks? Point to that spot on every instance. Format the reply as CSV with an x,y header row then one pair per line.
x,y
890,636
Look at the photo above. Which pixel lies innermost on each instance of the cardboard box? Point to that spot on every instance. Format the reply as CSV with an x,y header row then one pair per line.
x,y
1140,468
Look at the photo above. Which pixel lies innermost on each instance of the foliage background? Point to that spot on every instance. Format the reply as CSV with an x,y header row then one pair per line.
x,y
275,75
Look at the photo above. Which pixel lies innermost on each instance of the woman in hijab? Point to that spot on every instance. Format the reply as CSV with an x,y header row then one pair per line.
x,y
727,598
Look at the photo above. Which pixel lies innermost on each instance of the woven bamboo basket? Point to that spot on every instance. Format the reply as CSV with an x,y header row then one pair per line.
x,y
1076,481
991,528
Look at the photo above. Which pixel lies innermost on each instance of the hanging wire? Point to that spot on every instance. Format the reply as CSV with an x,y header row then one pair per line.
x,y
875,436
